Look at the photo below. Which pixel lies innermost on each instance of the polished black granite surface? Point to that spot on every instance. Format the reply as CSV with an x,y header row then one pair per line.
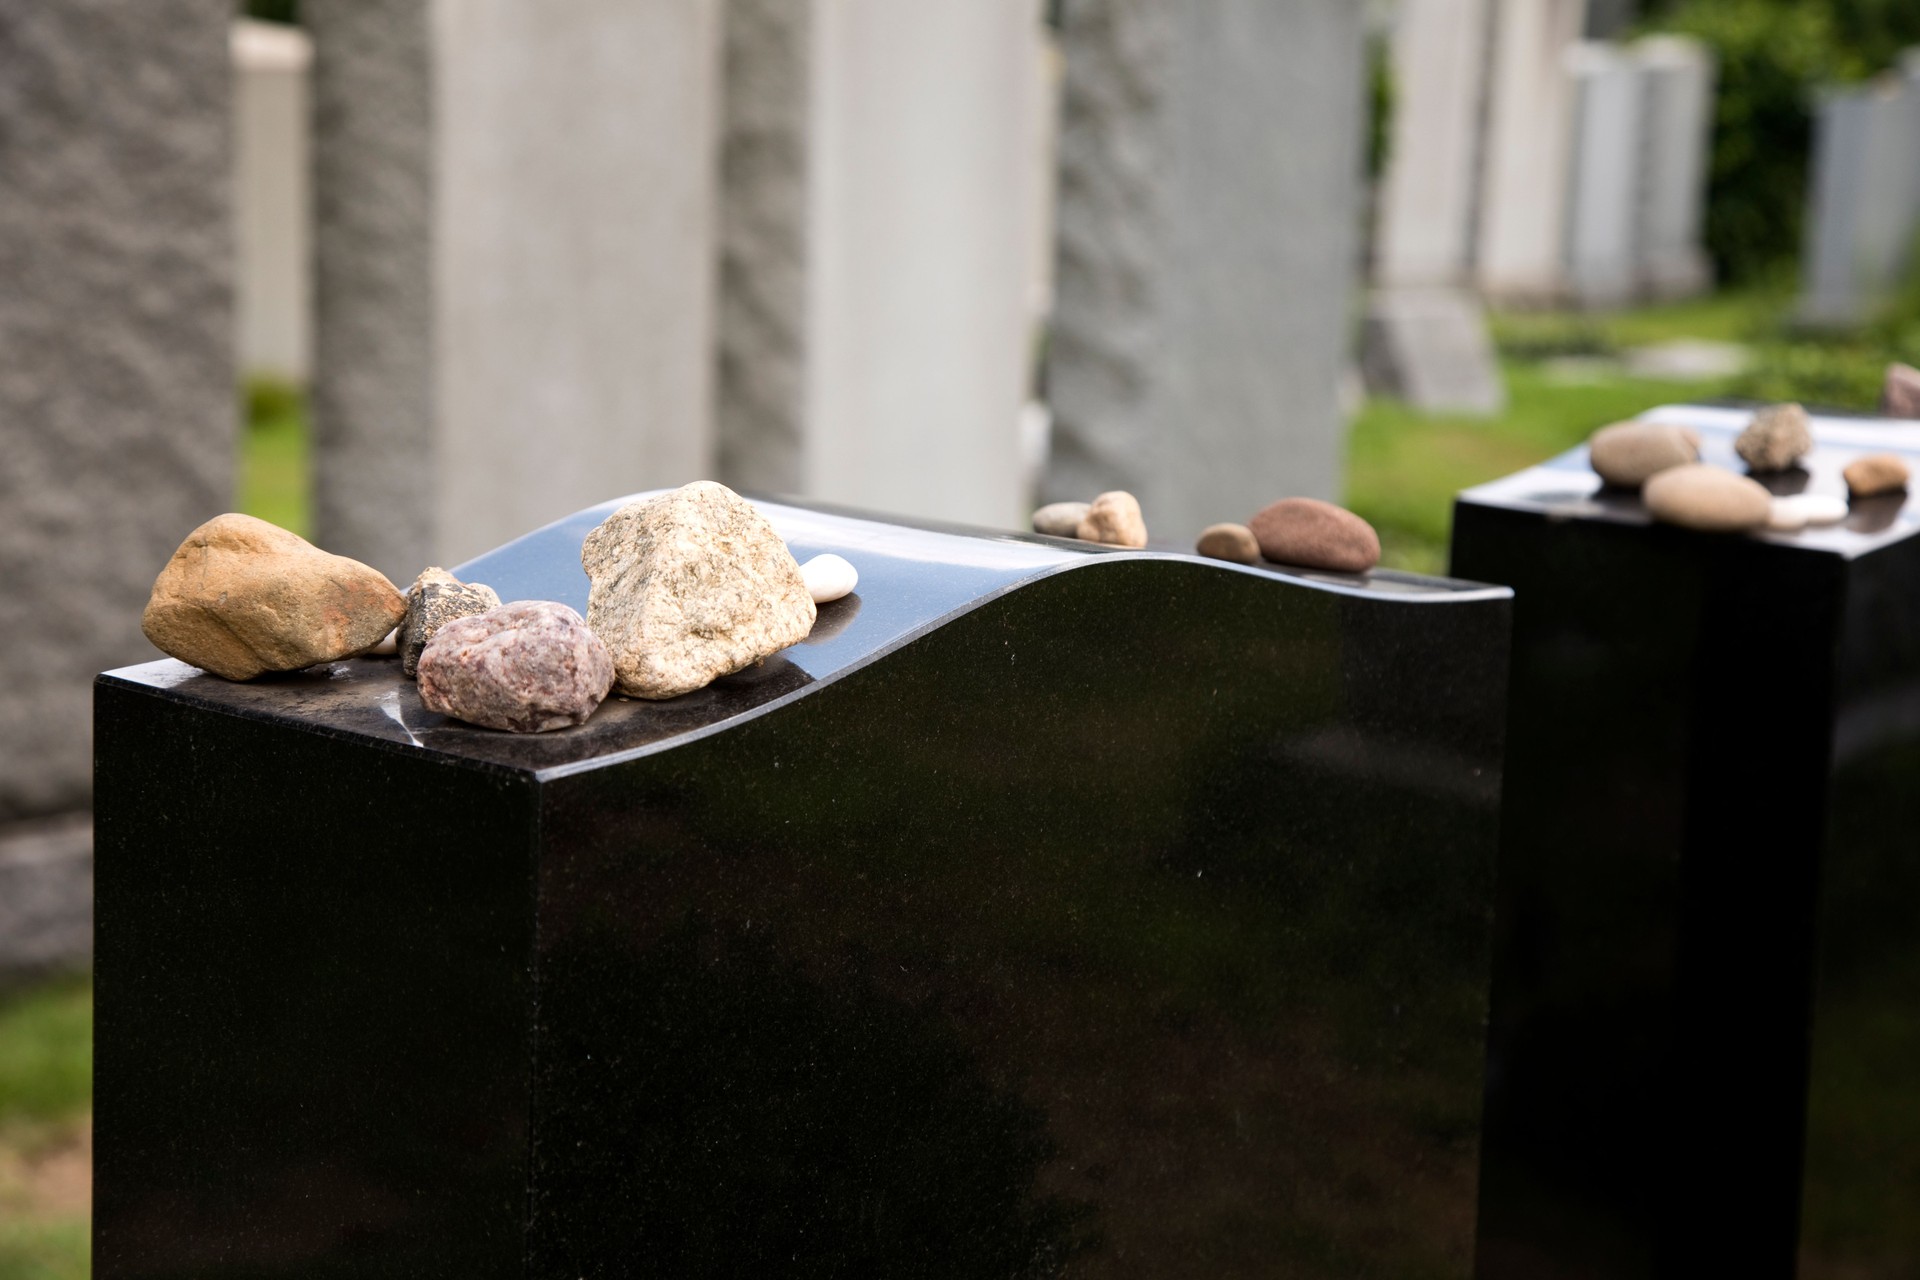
x,y
1053,911
1707,986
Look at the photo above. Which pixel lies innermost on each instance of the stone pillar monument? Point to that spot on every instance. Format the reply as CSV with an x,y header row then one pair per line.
x,y
116,349
1208,217
514,254
1522,251
876,336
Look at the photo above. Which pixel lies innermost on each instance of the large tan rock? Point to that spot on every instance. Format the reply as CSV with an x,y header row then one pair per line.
x,y
691,586
242,597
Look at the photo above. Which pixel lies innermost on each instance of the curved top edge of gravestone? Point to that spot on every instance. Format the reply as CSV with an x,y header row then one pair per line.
x,y
1566,488
914,577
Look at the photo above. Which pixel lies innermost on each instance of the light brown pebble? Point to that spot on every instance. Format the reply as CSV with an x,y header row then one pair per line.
x,y
1114,518
1778,437
1876,473
1900,392
1315,535
1233,542
1628,454
1060,519
242,597
1708,498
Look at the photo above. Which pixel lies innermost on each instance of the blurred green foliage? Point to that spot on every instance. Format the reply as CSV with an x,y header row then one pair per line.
x,y
46,1056
1774,57
273,455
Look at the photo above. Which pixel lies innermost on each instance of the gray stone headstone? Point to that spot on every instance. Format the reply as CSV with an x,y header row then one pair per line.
x,y
1603,224
1679,78
1208,215
117,400
515,255
1432,349
46,897
878,220
1864,198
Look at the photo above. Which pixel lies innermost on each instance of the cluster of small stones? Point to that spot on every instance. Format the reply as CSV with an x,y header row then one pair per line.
x,y
686,587
1300,532
1112,519
1662,461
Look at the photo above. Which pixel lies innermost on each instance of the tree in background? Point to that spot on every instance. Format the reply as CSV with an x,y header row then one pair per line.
x,y
1775,55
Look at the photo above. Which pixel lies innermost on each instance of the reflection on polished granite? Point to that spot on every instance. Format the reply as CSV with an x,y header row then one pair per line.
x,y
1054,911
1707,974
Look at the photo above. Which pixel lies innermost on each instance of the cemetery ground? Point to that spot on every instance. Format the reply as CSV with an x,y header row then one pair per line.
x,y
1566,374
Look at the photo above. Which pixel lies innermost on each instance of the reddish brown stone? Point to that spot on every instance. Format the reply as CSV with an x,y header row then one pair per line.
x,y
1315,535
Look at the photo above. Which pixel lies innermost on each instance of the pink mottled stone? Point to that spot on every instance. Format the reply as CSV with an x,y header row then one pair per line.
x,y
526,667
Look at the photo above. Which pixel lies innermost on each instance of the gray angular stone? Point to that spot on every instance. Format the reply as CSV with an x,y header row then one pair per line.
x,y
435,599
1708,498
1778,437
241,597
690,586
525,667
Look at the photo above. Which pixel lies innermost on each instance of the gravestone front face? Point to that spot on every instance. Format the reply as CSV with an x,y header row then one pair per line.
x,y
1700,1058
1051,910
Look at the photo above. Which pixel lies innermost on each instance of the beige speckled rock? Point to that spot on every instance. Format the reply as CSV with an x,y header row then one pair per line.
x,y
242,597
1115,519
691,586
1060,519
1876,473
1708,498
1778,437
1315,535
435,599
1628,454
1233,542
1900,392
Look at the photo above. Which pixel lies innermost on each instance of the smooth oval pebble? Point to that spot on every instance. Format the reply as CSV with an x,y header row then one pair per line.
x,y
1060,519
1708,498
1795,511
1233,542
828,577
1114,519
1628,454
1315,535
1875,474
526,667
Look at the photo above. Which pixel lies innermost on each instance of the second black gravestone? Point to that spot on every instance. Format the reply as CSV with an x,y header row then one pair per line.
x,y
1052,910
1707,984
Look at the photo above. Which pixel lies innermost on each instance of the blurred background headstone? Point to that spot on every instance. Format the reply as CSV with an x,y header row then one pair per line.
x,y
514,242
1209,211
117,401
1863,196
879,216
273,212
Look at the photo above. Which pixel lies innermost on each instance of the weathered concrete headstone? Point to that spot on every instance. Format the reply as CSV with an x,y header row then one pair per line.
x,y
1864,198
274,210
877,211
514,246
1603,223
1522,229
1432,349
1209,197
1678,76
116,349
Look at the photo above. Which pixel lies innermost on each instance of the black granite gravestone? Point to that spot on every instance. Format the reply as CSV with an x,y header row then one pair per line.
x,y
1052,910
1707,979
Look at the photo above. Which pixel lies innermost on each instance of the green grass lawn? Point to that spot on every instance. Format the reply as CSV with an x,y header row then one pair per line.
x,y
46,1092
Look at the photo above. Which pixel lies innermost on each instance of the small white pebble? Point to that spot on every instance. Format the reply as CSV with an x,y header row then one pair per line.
x,y
388,646
1796,511
829,577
